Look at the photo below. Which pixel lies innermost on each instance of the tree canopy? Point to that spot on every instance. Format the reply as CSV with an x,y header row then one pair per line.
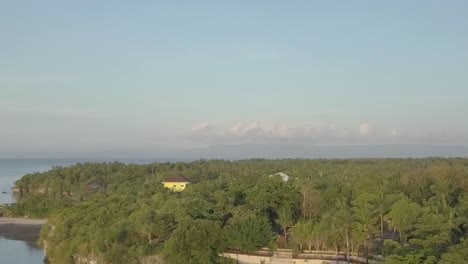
x,y
409,210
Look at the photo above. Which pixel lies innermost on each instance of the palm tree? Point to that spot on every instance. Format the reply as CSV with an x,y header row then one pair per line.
x,y
285,220
343,221
365,211
301,233
320,235
403,217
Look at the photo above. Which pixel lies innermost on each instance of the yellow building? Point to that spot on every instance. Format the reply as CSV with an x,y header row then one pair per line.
x,y
176,183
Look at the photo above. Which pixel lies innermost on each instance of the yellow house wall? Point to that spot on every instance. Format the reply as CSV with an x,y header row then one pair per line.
x,y
175,186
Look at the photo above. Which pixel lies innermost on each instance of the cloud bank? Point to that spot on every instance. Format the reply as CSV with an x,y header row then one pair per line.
x,y
363,133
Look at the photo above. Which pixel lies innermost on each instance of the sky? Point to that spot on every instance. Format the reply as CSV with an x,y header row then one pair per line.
x,y
145,77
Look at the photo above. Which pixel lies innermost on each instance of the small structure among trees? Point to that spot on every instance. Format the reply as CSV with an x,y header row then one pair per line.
x,y
283,176
176,183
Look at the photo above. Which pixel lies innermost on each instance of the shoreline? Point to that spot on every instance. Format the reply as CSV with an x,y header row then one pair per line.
x,y
22,229
22,221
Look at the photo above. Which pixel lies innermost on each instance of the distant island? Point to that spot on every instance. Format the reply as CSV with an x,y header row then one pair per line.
x,y
392,210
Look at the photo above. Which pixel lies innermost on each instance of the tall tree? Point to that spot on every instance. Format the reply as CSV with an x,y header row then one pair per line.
x,y
156,226
248,233
403,217
193,242
343,220
384,199
456,254
311,200
303,234
285,220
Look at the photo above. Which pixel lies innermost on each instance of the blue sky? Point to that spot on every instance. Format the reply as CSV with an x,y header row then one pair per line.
x,y
87,77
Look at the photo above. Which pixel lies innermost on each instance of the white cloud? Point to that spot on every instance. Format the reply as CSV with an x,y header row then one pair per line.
x,y
327,132
395,133
283,131
200,127
366,130
258,130
243,130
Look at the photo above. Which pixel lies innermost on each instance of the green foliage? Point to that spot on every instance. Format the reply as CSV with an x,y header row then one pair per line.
x,y
365,210
38,206
410,259
303,234
403,217
271,194
248,233
154,225
285,220
194,241
456,254
120,213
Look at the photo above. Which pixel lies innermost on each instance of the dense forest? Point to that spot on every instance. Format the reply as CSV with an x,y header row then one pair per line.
x,y
407,210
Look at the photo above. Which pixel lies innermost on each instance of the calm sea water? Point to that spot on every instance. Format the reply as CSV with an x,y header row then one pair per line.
x,y
27,252
19,252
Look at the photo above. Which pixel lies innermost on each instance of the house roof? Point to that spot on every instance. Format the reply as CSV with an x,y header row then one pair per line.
x,y
283,176
176,178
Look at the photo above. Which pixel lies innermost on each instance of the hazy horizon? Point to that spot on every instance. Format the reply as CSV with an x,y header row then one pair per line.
x,y
218,79
265,151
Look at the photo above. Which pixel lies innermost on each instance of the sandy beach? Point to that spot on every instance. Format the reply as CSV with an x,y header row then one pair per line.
x,y
21,229
21,221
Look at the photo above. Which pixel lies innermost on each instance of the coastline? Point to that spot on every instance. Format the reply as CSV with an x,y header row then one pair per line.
x,y
22,229
19,236
22,221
